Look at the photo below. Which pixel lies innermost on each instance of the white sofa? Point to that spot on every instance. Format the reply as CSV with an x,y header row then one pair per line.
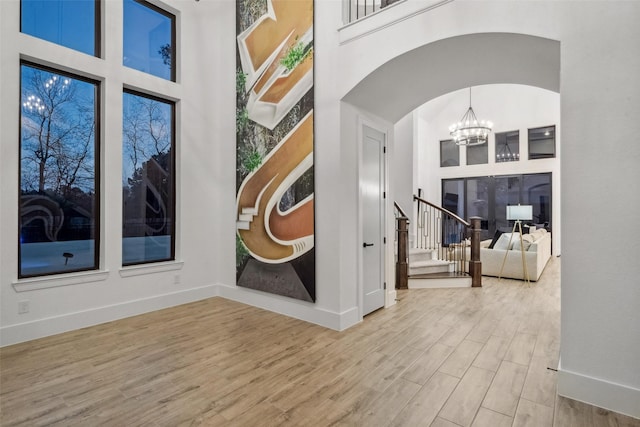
x,y
537,253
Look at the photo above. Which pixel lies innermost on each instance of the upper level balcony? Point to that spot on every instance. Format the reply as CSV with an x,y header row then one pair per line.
x,y
362,17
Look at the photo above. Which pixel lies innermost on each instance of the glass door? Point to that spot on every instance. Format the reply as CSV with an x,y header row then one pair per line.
x,y
506,192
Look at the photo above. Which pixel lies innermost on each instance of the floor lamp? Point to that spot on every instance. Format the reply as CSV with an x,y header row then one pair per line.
x,y
518,214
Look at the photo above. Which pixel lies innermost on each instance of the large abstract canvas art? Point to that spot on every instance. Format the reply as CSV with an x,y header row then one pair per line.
x,y
274,127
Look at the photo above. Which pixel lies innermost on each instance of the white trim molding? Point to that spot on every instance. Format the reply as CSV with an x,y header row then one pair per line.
x,y
21,332
306,311
142,269
598,392
44,282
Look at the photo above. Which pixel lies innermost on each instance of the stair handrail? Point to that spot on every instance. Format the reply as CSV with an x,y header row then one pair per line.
x,y
400,210
448,212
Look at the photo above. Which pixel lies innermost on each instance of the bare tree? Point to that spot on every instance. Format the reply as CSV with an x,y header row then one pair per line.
x,y
58,130
146,130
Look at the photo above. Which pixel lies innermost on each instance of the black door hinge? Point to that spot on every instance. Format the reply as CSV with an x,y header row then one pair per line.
x,y
384,240
385,285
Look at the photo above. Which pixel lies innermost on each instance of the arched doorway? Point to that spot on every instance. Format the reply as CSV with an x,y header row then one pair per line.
x,y
409,80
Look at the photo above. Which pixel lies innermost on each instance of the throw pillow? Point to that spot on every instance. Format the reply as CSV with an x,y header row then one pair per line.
x,y
495,239
525,244
503,242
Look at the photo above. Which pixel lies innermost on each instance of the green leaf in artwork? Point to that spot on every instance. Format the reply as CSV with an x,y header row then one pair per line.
x,y
296,53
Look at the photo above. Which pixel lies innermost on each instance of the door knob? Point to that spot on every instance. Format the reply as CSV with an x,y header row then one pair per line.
x,y
364,245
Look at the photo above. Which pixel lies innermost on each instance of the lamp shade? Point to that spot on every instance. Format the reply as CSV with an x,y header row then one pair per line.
x,y
520,212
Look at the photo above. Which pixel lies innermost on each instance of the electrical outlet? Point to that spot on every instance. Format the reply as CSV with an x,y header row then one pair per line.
x,y
23,307
176,279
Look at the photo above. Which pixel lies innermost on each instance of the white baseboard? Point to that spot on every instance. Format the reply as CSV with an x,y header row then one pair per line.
x,y
392,296
302,310
40,328
460,282
603,394
309,312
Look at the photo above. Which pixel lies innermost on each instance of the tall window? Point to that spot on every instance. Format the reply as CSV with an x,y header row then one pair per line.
x,y
74,24
148,227
149,39
489,196
58,172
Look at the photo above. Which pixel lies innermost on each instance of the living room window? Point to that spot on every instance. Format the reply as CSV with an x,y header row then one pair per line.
x,y
149,39
73,24
489,196
449,153
148,179
542,142
59,190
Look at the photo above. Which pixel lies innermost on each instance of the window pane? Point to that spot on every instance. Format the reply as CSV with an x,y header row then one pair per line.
x,y
478,202
507,192
477,154
508,146
147,180
70,23
449,153
453,196
537,192
148,39
542,142
58,179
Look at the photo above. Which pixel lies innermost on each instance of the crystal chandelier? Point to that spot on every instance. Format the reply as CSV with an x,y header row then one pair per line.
x,y
469,131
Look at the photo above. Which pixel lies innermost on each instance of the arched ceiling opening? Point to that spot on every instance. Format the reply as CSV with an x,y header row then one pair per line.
x,y
422,74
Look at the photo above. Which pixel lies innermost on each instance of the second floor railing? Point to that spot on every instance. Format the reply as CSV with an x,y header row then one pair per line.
x,y
357,9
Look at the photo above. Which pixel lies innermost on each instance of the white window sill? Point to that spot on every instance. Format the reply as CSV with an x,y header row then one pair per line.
x,y
36,283
139,270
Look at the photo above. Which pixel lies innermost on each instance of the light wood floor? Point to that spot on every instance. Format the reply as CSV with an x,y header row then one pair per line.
x,y
438,358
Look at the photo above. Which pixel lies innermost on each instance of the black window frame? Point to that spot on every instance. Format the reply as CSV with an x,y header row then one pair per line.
x,y
174,52
174,233
448,142
513,146
488,225
535,156
97,36
97,165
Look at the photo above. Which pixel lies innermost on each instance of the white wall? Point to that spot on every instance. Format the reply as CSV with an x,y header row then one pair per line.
x,y
599,64
402,175
76,300
509,107
205,247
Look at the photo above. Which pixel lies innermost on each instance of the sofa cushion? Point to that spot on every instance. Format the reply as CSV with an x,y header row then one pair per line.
x,y
538,234
503,241
495,239
527,240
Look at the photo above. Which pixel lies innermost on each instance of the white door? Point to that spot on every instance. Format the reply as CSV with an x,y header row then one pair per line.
x,y
371,190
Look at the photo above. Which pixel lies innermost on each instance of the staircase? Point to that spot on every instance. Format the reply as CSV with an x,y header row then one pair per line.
x,y
437,255
427,271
